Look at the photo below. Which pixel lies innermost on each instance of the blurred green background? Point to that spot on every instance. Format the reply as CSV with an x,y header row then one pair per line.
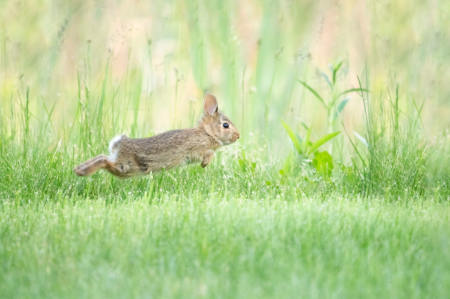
x,y
141,67
261,221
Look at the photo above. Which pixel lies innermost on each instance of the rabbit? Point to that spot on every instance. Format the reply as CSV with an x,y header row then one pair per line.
x,y
132,157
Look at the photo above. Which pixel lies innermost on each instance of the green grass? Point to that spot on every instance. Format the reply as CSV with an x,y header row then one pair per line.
x,y
210,247
260,221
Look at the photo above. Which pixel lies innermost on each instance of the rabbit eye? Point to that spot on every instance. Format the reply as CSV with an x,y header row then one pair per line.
x,y
226,125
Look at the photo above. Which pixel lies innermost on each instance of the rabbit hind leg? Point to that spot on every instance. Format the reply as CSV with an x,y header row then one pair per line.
x,y
93,165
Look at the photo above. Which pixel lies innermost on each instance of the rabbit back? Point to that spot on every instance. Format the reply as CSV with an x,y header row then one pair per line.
x,y
164,151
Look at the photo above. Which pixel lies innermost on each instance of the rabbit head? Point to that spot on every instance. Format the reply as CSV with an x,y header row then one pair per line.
x,y
216,124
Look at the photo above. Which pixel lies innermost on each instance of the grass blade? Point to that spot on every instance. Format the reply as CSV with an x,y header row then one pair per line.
x,y
362,139
306,143
314,92
352,90
294,137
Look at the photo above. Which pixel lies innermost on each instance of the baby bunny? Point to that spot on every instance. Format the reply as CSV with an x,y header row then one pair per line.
x,y
131,157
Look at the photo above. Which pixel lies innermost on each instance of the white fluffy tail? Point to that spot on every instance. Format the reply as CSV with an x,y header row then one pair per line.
x,y
114,147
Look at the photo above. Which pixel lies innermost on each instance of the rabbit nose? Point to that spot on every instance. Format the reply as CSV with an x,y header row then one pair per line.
x,y
237,136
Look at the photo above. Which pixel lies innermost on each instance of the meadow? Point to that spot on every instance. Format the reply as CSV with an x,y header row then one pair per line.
x,y
337,188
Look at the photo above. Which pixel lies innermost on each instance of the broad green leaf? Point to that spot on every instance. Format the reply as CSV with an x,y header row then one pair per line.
x,y
305,125
321,141
243,154
323,162
293,136
335,70
362,139
268,183
326,79
314,92
241,163
341,107
352,90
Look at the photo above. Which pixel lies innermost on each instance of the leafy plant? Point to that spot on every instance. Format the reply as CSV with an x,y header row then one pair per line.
x,y
322,162
334,105
246,164
305,147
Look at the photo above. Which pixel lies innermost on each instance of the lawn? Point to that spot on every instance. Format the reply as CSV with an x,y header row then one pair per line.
x,y
212,247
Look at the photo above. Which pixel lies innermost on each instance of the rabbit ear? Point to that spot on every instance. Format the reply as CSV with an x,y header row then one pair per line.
x,y
210,104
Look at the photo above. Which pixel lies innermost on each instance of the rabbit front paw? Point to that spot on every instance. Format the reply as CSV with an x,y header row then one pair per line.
x,y
207,158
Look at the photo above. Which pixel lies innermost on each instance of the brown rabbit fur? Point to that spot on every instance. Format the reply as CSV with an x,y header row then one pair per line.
x,y
132,157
